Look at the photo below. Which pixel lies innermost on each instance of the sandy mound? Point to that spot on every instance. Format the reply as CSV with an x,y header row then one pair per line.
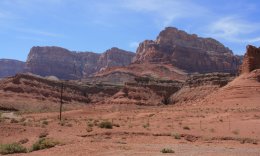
x,y
199,86
244,90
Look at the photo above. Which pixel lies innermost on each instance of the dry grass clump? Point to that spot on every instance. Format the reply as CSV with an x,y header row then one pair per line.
x,y
12,148
106,124
167,150
44,143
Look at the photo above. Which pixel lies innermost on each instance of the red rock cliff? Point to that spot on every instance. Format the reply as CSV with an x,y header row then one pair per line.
x,y
10,67
188,52
66,64
251,60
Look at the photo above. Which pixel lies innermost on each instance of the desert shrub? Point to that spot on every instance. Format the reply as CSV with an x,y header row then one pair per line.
x,y
116,125
176,136
69,125
90,125
151,115
44,143
96,122
89,129
43,134
106,124
45,122
236,132
186,128
12,148
167,150
23,141
146,125
248,140
90,119
14,121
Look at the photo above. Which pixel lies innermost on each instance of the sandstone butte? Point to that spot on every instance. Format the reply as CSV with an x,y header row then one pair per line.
x,y
251,59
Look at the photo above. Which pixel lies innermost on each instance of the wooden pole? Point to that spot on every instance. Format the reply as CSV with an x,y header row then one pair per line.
x,y
61,102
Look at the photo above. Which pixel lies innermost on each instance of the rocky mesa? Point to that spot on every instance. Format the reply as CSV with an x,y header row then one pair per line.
x,y
10,67
67,64
188,52
173,56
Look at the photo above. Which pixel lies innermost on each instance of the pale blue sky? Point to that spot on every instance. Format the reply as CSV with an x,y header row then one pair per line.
x,y
97,25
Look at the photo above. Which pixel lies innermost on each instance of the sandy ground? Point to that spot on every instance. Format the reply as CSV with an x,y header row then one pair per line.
x,y
142,131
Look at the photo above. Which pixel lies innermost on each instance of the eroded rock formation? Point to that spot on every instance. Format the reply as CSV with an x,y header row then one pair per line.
x,y
199,86
27,91
187,52
145,91
251,60
66,64
10,67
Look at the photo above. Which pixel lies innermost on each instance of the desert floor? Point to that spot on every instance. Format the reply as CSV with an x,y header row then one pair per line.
x,y
193,129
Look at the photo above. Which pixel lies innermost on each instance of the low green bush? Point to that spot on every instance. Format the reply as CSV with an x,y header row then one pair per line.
x,y
12,148
167,150
44,143
106,124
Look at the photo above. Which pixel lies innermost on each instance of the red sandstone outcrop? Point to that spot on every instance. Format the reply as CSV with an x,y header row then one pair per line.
x,y
10,67
120,75
188,52
27,91
114,57
199,86
65,64
145,91
251,60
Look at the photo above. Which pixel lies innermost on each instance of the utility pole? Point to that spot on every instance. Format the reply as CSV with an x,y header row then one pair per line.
x,y
61,102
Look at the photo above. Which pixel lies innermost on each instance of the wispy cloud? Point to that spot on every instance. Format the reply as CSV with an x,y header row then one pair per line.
x,y
38,32
234,29
166,11
30,38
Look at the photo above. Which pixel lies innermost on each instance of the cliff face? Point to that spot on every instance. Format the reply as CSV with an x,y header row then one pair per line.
x,y
65,64
115,57
251,60
10,67
188,52
56,61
